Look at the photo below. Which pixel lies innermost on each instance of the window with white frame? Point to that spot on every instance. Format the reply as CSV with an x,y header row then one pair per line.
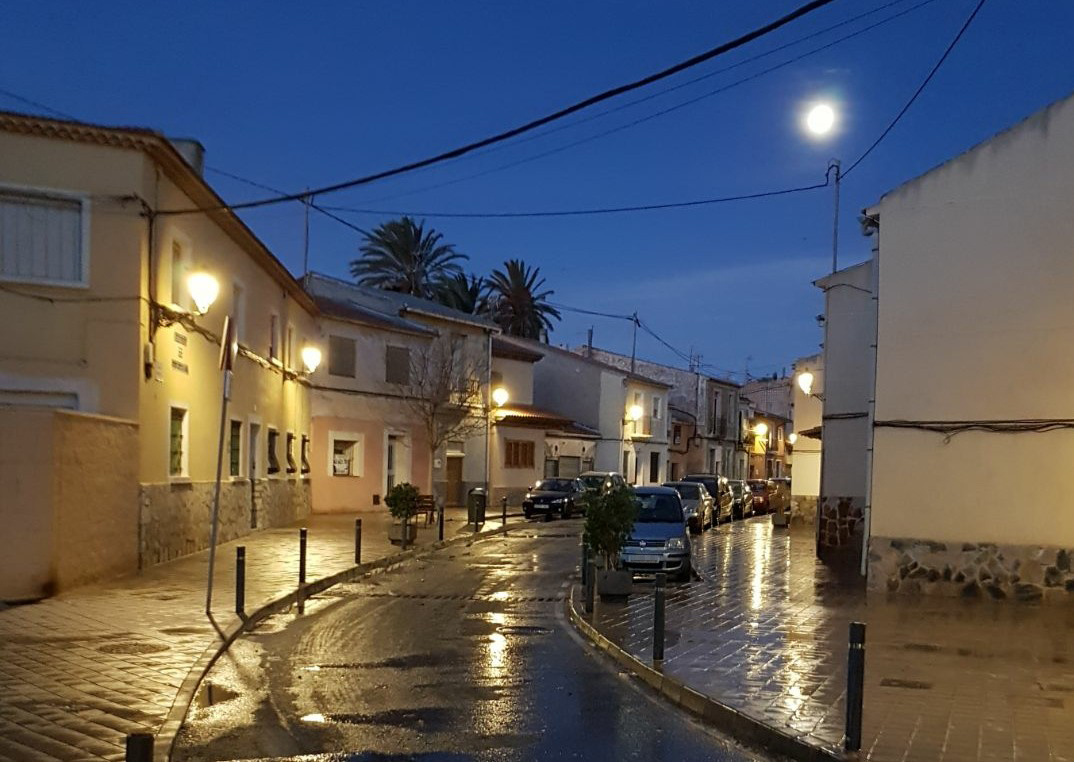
x,y
178,438
43,238
345,454
238,310
274,337
181,267
289,347
235,449
656,407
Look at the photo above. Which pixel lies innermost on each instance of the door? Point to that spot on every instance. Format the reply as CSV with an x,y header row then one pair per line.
x,y
454,481
253,447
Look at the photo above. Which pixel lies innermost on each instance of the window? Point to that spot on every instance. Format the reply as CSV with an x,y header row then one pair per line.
x,y
551,468
273,461
180,272
587,464
289,347
238,311
292,467
235,449
518,454
305,454
397,365
656,408
341,352
179,433
346,455
43,238
675,477
676,434
654,466
274,337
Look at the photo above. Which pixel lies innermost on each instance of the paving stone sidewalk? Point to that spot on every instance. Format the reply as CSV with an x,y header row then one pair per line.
x,y
80,671
765,631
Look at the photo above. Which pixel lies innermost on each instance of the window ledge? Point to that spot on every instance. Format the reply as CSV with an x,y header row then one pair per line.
x,y
180,481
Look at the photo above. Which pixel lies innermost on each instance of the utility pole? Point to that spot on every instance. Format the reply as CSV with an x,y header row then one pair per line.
x,y
835,165
634,345
306,201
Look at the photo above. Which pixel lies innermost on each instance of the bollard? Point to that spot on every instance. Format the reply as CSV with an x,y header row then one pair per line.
x,y
302,570
855,685
504,520
139,747
585,562
590,585
658,618
440,522
357,541
240,581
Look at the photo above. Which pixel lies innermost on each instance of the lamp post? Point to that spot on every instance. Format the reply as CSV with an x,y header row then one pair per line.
x,y
499,396
819,122
760,432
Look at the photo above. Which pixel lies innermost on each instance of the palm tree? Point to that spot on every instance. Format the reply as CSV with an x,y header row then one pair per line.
x,y
469,294
402,256
517,303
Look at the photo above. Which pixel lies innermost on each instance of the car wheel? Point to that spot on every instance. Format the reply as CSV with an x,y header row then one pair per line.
x,y
527,513
565,513
684,573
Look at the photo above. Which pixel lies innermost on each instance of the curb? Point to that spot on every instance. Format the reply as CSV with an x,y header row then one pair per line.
x,y
169,730
741,727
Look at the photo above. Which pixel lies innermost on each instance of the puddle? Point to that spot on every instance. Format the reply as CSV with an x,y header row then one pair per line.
x,y
211,694
523,629
428,719
132,648
410,661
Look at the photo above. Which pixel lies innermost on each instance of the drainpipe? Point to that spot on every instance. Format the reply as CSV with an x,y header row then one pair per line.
x,y
867,509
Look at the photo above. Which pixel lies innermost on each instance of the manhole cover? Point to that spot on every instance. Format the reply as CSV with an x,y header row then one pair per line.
x,y
132,648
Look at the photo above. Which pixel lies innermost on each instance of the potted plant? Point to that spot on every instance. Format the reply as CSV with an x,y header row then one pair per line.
x,y
402,502
609,520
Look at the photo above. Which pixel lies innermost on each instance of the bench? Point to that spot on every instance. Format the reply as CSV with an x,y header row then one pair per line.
x,y
427,505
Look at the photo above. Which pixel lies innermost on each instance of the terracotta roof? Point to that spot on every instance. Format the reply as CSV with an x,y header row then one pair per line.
x,y
161,151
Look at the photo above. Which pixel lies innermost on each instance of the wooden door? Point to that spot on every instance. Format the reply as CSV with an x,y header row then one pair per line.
x,y
454,482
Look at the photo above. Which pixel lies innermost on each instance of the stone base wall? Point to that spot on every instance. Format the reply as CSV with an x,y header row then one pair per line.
x,y
840,522
1021,572
175,518
804,510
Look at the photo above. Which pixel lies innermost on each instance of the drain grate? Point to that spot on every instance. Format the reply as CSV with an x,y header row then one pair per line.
x,y
892,682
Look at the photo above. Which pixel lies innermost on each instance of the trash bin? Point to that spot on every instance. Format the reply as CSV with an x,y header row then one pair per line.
x,y
476,501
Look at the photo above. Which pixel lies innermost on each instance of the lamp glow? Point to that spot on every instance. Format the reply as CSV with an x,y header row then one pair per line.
x,y
805,382
761,429
311,357
635,412
820,119
500,396
204,289
792,438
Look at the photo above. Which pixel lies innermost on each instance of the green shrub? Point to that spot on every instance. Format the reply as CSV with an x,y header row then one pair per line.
x,y
609,520
402,501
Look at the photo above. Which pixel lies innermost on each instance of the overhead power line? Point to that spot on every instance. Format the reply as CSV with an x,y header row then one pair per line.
x,y
921,87
708,55
38,105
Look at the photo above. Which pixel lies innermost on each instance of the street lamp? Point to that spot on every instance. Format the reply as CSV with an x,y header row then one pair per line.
x,y
204,289
761,429
500,396
792,438
820,123
805,383
311,357
634,413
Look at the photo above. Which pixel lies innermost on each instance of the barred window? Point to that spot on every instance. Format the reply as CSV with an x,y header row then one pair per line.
x,y
273,461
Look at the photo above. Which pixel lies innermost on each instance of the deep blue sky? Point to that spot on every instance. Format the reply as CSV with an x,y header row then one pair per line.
x,y
303,94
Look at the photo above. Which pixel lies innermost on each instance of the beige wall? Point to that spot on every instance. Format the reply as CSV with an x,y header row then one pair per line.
x,y
513,482
70,500
517,379
805,458
975,274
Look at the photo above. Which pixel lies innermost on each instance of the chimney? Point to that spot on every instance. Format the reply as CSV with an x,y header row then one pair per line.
x,y
589,342
192,151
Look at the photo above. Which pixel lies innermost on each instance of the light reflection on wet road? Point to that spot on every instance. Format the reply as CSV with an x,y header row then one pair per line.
x,y
461,656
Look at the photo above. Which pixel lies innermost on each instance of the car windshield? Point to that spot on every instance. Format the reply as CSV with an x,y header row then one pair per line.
x,y
554,485
757,486
658,508
736,487
710,484
596,481
689,491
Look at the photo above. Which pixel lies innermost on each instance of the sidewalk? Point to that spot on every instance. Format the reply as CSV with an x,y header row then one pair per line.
x,y
80,671
765,632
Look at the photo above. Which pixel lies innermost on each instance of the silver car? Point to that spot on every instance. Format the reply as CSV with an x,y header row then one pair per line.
x,y
660,541
696,504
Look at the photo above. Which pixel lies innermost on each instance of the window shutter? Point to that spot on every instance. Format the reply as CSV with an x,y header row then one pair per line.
x,y
41,238
341,356
397,365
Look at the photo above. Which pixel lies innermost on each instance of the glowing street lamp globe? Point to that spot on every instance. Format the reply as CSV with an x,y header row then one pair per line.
x,y
792,438
500,396
635,412
820,119
204,289
311,357
761,429
805,382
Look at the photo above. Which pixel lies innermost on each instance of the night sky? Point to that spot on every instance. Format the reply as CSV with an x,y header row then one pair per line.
x,y
294,95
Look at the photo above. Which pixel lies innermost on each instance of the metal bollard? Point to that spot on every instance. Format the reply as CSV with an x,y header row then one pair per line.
x,y
302,570
357,541
590,586
240,580
855,685
440,522
585,562
658,618
139,747
504,520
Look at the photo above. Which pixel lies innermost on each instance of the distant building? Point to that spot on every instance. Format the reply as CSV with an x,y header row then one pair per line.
x,y
805,458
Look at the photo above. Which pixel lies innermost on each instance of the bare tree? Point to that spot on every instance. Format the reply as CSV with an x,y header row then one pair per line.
x,y
444,391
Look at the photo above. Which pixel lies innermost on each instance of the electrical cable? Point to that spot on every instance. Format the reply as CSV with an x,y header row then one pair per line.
x,y
38,105
708,55
951,429
921,87
565,307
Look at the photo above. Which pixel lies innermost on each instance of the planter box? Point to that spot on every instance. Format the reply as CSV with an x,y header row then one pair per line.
x,y
395,533
617,583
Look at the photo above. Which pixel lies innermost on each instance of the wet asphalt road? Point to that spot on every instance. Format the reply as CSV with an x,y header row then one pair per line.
x,y
465,655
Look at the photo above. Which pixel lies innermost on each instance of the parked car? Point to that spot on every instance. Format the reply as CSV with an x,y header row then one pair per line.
x,y
718,490
762,489
742,498
562,496
696,504
660,539
601,482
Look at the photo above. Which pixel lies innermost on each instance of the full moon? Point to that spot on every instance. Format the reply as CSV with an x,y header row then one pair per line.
x,y
820,119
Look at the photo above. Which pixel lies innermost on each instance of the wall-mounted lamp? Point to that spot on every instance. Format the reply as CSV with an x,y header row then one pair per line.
x,y
805,382
311,357
792,438
634,412
500,396
204,289
761,429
